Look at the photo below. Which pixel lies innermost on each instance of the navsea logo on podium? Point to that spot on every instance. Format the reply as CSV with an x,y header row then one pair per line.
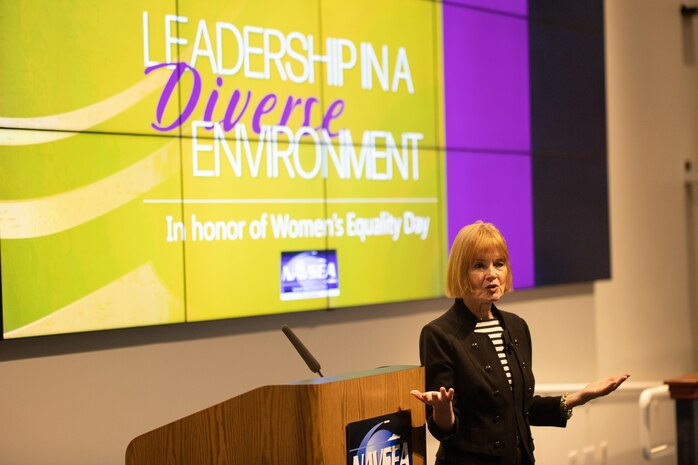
x,y
384,440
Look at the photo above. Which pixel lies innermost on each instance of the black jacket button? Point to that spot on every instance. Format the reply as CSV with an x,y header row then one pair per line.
x,y
497,418
495,393
516,341
488,367
474,345
497,444
523,364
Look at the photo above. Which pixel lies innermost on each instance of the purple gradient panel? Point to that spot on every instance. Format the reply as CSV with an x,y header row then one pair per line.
x,y
486,80
517,7
494,188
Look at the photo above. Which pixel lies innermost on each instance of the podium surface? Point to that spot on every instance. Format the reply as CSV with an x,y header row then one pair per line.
x,y
301,423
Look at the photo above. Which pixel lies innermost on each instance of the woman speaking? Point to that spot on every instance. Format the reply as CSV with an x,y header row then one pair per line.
x,y
479,384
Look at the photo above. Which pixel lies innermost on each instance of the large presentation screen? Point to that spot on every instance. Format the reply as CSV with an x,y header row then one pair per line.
x,y
177,161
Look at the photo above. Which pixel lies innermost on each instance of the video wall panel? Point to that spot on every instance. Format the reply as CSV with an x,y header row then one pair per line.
x,y
181,161
74,253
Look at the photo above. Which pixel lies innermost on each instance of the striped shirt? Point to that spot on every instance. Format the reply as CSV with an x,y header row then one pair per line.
x,y
494,330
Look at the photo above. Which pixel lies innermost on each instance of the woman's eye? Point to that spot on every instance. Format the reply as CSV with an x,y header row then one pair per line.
x,y
478,265
499,264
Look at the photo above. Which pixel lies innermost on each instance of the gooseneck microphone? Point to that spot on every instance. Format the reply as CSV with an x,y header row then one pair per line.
x,y
302,350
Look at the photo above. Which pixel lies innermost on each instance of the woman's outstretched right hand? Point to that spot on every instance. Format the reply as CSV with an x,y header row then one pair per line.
x,y
442,403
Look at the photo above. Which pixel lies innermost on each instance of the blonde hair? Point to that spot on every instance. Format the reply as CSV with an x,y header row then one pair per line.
x,y
471,241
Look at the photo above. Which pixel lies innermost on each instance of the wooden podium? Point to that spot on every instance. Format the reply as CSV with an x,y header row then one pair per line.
x,y
684,391
302,423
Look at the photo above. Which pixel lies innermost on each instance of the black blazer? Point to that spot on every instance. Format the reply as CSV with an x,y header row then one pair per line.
x,y
491,416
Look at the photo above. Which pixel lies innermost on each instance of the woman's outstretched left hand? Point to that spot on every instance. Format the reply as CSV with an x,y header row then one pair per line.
x,y
596,389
